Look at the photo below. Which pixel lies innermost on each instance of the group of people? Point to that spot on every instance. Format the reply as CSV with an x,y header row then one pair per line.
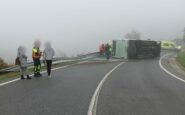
x,y
47,54
106,50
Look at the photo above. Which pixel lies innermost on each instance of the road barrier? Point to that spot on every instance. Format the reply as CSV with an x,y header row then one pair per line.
x,y
56,61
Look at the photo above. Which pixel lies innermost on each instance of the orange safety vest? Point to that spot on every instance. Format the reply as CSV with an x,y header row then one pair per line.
x,y
36,53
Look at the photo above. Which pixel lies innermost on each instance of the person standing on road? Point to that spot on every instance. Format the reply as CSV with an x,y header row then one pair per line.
x,y
101,49
21,54
36,55
110,51
107,51
48,56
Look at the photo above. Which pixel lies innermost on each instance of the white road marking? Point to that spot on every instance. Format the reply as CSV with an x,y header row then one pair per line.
x,y
14,80
9,82
94,100
162,67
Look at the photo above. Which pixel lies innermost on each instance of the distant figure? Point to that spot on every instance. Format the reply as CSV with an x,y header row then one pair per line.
x,y
110,51
21,54
102,49
107,51
36,55
48,56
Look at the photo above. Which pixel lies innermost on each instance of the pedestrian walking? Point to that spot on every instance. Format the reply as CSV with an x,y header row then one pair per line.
x,y
22,58
36,55
48,56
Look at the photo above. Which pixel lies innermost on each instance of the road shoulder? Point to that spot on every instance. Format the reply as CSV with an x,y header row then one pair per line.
x,y
177,66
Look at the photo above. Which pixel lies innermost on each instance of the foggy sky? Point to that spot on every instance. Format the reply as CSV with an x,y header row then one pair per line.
x,y
79,26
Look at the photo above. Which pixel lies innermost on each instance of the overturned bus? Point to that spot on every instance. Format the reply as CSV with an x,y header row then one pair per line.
x,y
133,49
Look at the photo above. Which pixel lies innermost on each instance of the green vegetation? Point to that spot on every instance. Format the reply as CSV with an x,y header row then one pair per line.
x,y
181,58
8,75
3,64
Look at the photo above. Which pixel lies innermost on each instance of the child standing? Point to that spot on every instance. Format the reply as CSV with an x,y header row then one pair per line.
x,y
23,62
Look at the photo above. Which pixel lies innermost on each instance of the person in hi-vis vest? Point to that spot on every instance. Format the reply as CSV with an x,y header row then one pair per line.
x,y
36,55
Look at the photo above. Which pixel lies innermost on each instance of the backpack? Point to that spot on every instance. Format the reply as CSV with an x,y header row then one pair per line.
x,y
17,61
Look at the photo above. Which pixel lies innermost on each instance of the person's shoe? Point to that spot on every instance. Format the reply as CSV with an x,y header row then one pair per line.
x,y
35,75
28,77
39,75
49,76
22,77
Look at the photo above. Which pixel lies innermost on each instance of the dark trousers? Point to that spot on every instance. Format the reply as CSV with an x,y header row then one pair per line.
x,y
37,66
49,64
107,55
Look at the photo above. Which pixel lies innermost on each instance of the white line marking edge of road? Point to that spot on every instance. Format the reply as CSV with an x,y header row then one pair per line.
x,y
94,100
165,70
14,80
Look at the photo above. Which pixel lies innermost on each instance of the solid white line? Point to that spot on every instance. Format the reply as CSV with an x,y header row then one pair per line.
x,y
94,100
9,82
160,63
14,80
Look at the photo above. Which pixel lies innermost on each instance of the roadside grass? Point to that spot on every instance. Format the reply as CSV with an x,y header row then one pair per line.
x,y
181,58
8,75
16,74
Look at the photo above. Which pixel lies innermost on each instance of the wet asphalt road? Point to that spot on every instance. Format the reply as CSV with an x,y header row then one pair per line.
x,y
142,88
69,92
138,87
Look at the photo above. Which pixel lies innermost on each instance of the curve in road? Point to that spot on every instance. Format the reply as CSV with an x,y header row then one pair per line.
x,y
168,72
69,92
141,87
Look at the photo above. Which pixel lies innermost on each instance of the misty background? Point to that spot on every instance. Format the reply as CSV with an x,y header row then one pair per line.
x,y
79,26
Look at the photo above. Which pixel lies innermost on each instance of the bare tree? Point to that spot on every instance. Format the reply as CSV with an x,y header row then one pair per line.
x,y
133,35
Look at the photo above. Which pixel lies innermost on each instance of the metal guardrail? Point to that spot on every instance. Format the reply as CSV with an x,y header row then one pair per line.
x,y
15,68
56,61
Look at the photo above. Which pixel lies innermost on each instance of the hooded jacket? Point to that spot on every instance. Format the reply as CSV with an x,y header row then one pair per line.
x,y
22,57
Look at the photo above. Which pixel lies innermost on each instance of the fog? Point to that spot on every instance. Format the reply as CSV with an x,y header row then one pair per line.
x,y
79,26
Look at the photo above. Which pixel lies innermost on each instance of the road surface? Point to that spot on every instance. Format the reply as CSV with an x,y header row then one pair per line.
x,y
68,93
138,87
142,88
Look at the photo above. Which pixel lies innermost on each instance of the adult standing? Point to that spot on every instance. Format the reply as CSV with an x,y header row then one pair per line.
x,y
107,51
110,50
36,55
101,49
48,56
